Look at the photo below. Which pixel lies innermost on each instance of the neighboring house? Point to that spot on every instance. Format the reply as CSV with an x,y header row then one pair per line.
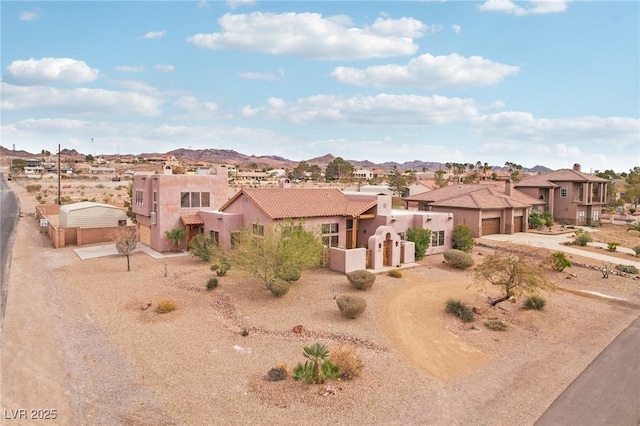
x,y
363,174
573,197
88,214
377,189
162,202
419,187
486,209
361,230
101,170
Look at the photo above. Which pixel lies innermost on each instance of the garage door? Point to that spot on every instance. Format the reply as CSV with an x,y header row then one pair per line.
x,y
144,234
491,226
517,224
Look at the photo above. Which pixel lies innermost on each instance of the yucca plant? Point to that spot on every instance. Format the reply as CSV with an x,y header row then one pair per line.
x,y
317,368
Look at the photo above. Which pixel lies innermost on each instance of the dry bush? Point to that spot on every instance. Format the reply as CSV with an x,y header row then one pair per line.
x,y
165,307
361,279
458,259
347,360
351,306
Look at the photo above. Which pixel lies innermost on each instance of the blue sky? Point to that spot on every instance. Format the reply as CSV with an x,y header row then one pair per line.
x,y
534,82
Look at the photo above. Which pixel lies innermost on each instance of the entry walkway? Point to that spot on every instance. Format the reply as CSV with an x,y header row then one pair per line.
x,y
556,242
91,252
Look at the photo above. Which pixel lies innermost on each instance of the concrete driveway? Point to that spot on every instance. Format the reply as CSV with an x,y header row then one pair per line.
x,y
556,242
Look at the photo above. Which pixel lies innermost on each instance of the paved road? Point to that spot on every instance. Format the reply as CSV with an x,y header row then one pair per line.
x,y
608,390
9,211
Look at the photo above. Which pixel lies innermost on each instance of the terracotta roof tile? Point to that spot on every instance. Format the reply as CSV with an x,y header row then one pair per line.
x,y
479,196
290,203
191,219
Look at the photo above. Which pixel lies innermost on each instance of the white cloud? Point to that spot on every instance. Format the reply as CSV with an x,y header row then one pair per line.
x,y
456,28
127,68
534,7
233,4
30,15
429,72
202,4
311,35
78,101
266,75
151,35
48,70
196,109
373,110
167,69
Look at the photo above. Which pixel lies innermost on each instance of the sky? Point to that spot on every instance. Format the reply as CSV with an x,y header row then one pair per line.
x,y
537,82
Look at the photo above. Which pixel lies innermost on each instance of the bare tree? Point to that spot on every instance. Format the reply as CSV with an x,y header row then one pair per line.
x,y
126,239
515,272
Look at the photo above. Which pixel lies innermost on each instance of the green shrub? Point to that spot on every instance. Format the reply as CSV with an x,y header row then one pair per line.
x,y
629,269
361,279
612,246
212,283
421,238
33,188
547,217
318,367
582,238
279,287
290,275
462,238
459,309
221,268
395,273
636,250
534,302
458,259
559,261
351,306
277,373
495,325
535,220
165,307
347,361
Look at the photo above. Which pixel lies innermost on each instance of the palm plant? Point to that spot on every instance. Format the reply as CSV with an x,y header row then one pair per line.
x,y
634,227
317,368
175,235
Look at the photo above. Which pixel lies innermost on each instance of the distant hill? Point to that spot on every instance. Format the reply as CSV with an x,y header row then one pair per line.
x,y
229,156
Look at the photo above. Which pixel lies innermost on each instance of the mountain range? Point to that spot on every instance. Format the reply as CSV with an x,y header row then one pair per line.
x,y
228,156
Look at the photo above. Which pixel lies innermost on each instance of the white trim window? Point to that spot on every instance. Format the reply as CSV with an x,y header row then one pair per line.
x,y
330,234
139,198
596,215
563,192
437,238
582,215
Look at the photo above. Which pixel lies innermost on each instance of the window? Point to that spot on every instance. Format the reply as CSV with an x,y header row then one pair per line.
x,y
122,222
330,234
258,229
184,199
155,201
205,199
139,198
215,236
195,199
581,215
596,215
563,192
437,238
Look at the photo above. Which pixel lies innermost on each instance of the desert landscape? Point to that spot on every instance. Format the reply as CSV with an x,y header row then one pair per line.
x,y
77,339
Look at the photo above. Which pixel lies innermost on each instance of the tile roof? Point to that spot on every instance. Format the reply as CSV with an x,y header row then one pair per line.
x,y
293,203
562,175
191,219
477,196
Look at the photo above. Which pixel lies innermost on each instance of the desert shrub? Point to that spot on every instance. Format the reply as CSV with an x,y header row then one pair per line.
x,y
221,268
212,283
462,238
277,373
534,302
636,250
629,269
394,273
559,261
547,217
165,307
458,259
612,246
33,188
290,275
348,362
422,240
582,238
459,309
361,279
100,186
351,306
279,287
495,325
318,366
535,220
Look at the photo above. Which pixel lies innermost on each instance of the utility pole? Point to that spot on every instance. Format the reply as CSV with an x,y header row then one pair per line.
x,y
59,173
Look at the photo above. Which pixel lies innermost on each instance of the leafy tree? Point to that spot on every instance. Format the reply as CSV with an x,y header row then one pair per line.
x,y
396,181
126,239
462,238
283,250
127,203
175,235
515,273
89,158
632,187
421,238
441,180
202,246
610,175
515,170
339,169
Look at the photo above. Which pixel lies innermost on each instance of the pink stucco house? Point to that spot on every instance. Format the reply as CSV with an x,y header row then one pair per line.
x,y
162,202
573,197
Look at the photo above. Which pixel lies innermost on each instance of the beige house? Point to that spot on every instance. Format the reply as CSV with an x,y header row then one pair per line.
x,y
486,209
573,197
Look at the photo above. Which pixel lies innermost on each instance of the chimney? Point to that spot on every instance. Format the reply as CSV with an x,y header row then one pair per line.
x,y
576,167
507,188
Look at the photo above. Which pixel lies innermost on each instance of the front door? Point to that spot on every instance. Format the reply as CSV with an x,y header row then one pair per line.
x,y
386,253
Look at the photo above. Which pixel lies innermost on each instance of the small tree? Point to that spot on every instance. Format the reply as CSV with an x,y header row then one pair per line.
x,y
462,238
126,239
515,273
421,238
280,253
202,246
175,235
559,261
